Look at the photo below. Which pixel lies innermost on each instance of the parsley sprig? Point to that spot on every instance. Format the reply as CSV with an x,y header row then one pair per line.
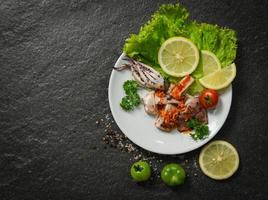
x,y
200,130
132,98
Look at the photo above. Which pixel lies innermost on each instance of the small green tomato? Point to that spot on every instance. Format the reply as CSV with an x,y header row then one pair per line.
x,y
173,174
140,171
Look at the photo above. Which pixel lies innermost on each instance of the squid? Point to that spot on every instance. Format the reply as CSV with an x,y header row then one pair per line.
x,y
145,75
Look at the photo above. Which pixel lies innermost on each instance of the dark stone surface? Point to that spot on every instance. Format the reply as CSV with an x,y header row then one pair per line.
x,y
55,62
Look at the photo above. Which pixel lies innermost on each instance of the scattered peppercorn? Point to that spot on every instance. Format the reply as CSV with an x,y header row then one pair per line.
x,y
113,138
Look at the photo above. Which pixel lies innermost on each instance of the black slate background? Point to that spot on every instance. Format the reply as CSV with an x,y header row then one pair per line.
x,y
55,62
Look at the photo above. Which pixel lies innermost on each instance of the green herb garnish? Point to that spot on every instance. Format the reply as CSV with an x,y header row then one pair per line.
x,y
193,123
200,130
132,98
130,87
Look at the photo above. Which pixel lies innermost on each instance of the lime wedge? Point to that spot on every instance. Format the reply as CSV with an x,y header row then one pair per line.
x,y
209,62
220,78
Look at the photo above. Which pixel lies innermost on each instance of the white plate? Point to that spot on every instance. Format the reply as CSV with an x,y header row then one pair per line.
x,y
139,127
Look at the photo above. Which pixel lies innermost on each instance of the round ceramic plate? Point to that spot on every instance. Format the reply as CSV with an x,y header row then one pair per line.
x,y
139,127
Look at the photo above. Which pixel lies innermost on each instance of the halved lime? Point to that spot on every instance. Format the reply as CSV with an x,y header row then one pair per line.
x,y
178,56
220,78
209,62
219,160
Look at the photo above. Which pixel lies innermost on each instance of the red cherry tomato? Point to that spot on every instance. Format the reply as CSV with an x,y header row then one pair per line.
x,y
208,99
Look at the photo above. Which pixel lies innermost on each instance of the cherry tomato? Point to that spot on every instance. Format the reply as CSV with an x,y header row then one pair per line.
x,y
209,98
173,174
140,171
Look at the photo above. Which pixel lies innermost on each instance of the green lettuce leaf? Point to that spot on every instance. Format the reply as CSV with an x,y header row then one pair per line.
x,y
172,20
221,41
167,22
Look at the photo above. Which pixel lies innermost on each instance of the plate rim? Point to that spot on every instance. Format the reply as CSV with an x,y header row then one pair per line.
x,y
151,150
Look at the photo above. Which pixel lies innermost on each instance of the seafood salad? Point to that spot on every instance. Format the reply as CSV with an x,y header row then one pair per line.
x,y
183,64
168,102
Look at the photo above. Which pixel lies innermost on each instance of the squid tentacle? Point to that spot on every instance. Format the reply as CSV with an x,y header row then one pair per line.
x,y
143,74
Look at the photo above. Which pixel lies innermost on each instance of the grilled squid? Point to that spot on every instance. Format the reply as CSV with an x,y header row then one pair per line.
x,y
145,75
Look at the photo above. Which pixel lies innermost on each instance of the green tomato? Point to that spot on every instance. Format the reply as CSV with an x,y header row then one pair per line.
x,y
140,171
173,174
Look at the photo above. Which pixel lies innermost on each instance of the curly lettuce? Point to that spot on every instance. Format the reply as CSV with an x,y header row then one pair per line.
x,y
221,41
172,20
167,22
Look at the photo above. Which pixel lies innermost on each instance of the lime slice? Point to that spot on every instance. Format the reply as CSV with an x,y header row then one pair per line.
x,y
178,56
219,160
220,78
210,62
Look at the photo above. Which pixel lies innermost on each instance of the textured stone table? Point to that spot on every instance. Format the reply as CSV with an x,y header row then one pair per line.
x,y
55,62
